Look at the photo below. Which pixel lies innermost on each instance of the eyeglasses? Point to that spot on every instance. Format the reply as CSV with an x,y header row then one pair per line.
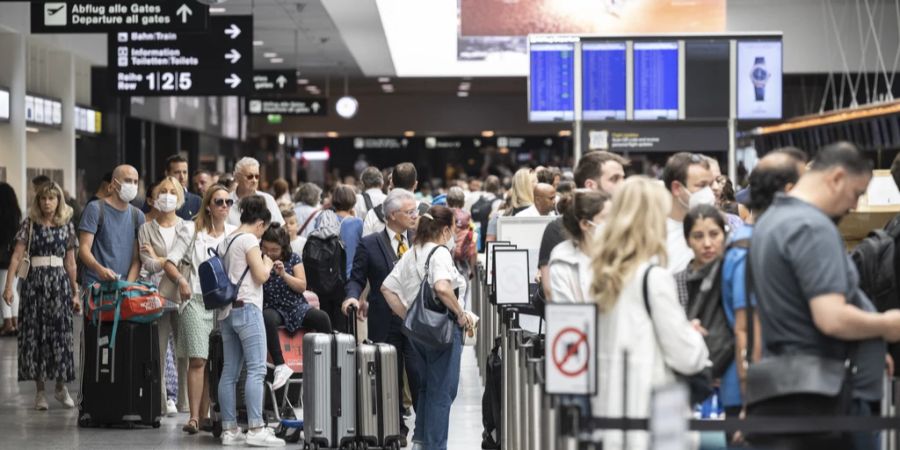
x,y
223,201
412,212
253,176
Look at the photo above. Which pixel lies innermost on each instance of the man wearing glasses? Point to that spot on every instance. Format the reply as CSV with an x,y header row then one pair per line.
x,y
246,175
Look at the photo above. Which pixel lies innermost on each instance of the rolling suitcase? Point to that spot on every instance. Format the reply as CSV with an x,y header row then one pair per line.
x,y
379,397
329,391
120,385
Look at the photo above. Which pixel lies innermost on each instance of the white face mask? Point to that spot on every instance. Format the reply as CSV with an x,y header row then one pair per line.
x,y
127,191
704,196
166,203
598,229
451,243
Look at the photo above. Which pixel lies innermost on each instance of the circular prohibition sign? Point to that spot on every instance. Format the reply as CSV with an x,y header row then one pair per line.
x,y
577,339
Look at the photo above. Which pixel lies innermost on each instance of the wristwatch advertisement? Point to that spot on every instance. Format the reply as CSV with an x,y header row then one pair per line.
x,y
759,79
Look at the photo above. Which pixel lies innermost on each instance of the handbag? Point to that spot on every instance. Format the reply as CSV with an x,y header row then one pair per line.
x,y
168,288
699,384
425,323
773,381
25,263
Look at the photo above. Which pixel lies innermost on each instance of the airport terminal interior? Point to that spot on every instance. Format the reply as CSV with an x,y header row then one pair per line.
x,y
450,224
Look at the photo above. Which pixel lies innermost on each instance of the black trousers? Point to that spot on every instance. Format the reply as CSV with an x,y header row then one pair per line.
x,y
314,319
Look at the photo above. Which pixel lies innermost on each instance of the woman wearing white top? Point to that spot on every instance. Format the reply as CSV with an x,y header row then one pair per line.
x,y
195,322
156,239
241,324
657,346
438,371
570,261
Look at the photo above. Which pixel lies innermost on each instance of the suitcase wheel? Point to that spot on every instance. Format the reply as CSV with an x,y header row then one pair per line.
x,y
156,424
217,429
84,421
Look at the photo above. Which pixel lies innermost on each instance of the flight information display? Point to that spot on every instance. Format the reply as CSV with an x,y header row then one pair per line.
x,y
656,80
603,80
552,82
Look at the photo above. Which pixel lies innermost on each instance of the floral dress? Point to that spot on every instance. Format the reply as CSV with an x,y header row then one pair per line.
x,y
279,296
46,349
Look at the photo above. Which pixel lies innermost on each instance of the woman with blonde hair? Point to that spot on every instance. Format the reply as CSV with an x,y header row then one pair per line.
x,y
48,294
651,336
522,191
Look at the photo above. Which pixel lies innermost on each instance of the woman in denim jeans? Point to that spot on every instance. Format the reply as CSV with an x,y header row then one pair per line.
x,y
241,325
438,370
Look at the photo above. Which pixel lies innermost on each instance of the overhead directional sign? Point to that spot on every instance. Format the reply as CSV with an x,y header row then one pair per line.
x,y
287,107
217,62
275,81
113,16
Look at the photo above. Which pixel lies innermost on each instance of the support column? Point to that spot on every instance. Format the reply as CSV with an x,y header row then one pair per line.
x,y
12,134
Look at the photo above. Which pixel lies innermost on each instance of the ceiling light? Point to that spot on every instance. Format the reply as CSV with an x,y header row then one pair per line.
x,y
409,133
270,55
302,81
387,87
346,107
276,60
564,133
258,43
465,85
332,134
281,138
487,133
462,94
311,88
216,10
32,129
384,79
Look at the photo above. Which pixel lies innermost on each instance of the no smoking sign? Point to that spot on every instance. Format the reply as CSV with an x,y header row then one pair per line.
x,y
571,358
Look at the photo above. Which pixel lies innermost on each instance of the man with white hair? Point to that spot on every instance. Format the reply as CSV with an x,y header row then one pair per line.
x,y
246,175
375,258
372,183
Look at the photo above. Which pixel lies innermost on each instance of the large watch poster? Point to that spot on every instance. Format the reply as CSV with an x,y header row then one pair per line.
x,y
759,87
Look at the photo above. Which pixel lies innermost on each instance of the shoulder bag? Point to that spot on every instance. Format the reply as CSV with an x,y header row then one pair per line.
x,y
168,288
425,323
25,263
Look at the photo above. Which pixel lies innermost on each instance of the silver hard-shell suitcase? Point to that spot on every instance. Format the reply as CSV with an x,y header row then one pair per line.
x,y
379,399
329,390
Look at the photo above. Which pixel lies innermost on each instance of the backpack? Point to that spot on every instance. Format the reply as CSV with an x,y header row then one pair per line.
x,y
481,213
876,260
112,301
325,263
465,238
218,290
707,306
368,199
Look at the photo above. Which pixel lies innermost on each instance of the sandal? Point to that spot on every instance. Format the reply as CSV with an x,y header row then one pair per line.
x,y
191,427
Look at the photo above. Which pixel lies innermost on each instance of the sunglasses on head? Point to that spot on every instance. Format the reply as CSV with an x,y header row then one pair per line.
x,y
223,202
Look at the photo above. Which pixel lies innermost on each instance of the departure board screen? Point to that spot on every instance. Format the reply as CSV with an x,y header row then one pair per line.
x,y
552,82
603,80
656,80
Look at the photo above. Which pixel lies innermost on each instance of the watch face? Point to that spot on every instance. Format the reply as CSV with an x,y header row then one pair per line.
x,y
759,74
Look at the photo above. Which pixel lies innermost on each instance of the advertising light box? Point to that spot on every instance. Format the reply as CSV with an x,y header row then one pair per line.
x,y
759,79
43,111
4,105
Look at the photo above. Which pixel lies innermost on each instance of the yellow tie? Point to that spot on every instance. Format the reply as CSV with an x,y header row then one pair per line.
x,y
401,246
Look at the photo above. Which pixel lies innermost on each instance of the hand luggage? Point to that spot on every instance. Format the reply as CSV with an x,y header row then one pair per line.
x,y
379,396
120,385
329,391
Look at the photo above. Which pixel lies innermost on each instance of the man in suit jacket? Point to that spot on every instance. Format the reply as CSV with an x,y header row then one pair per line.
x,y
375,258
177,167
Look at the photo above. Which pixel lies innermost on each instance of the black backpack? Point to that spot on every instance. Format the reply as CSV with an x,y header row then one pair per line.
x,y
876,260
481,213
325,264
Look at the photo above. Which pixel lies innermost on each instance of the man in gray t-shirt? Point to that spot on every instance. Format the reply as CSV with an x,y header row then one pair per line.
x,y
108,247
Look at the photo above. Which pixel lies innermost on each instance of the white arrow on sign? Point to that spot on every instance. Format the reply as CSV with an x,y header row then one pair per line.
x,y
233,31
315,107
233,80
184,11
281,80
233,56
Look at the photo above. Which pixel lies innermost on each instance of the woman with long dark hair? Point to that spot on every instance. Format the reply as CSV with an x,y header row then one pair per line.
x,y
9,224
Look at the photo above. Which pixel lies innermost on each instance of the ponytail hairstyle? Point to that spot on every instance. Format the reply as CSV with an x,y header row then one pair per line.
x,y
278,234
583,204
432,224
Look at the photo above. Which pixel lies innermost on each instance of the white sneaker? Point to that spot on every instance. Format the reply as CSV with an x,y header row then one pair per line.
x,y
171,410
264,437
40,401
233,437
62,395
282,375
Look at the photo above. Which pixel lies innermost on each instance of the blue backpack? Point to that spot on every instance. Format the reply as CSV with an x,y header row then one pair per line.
x,y
218,290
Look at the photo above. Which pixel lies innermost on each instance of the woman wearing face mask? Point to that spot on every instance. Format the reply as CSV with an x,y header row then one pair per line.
x,y
570,262
704,231
156,238
438,369
195,322
243,331
48,294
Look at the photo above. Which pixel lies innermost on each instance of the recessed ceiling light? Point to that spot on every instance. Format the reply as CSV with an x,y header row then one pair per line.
x,y
465,85
276,60
409,133
487,133
302,81
332,134
462,94
564,133
270,55
384,79
311,87
216,10
387,87
258,43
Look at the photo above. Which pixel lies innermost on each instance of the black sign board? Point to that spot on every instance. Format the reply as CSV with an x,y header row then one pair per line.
x,y
218,62
275,81
287,106
113,16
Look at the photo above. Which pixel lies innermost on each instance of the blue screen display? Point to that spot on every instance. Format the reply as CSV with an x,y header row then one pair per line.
x,y
656,80
603,80
552,81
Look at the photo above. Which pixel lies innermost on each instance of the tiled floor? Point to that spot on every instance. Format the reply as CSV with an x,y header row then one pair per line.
x,y
23,428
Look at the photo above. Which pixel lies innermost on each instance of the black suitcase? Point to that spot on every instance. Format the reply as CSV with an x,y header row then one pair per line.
x,y
120,386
